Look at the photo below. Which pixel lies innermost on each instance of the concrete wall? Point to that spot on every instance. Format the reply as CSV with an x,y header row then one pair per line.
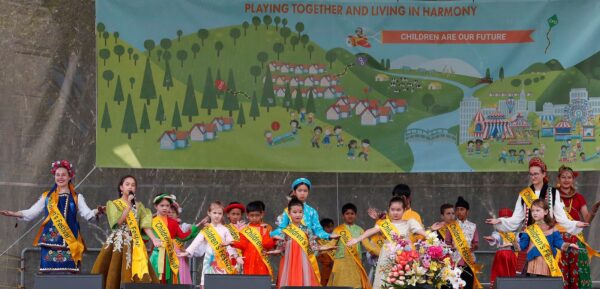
x,y
47,88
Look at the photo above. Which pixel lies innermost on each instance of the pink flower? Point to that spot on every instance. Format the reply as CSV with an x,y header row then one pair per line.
x,y
435,252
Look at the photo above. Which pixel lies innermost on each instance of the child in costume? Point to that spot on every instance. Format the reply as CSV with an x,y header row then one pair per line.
x,y
325,258
255,242
123,258
209,244
59,254
185,276
465,231
164,259
541,238
505,261
298,266
234,212
348,270
391,226
447,217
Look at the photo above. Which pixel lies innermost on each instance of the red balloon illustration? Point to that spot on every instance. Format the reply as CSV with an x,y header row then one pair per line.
x,y
220,85
275,126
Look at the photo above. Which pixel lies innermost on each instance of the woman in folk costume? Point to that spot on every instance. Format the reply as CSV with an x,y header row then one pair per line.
x,y
505,261
575,264
59,237
164,259
539,189
123,258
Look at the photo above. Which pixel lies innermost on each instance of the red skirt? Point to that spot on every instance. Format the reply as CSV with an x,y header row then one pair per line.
x,y
504,265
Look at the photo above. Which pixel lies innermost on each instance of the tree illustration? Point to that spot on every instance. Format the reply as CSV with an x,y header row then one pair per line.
x,y
235,33
515,82
145,122
105,124
285,32
176,121
135,59
132,81
331,57
298,101
310,103
299,28
105,35
116,36
387,64
501,73
129,52
255,71
262,57
159,53
190,106
277,48
268,96
218,77
167,55
129,123
108,75
245,25
254,110
230,103
256,22
182,56
104,53
119,91
168,78
160,111
294,41
310,50
203,35
209,96
218,47
195,49
428,100
287,98
119,50
231,80
267,20
527,82
487,73
304,39
284,22
100,28
241,119
148,90
149,45
277,20
179,33
166,43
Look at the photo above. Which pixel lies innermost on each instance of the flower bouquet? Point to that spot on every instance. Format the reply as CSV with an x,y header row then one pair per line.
x,y
429,263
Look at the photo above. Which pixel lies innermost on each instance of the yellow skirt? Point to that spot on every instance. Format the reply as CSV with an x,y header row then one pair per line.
x,y
345,273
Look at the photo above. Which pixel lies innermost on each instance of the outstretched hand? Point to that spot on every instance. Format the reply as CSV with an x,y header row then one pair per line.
x,y
488,238
273,252
373,213
327,248
8,213
352,242
574,246
438,225
334,236
183,254
582,225
202,222
492,221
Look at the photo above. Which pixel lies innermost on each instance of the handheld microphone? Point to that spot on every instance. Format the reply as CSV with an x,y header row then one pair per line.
x,y
132,200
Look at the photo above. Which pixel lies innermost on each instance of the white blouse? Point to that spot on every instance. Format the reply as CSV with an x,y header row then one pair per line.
x,y
37,208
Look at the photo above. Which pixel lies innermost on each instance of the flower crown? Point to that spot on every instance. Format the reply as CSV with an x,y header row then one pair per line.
x,y
62,164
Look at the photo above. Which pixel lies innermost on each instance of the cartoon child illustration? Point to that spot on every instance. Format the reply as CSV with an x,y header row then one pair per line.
x,y
293,115
470,147
358,39
563,153
316,138
269,137
478,143
295,126
364,152
522,156
536,153
486,149
337,130
327,137
303,115
310,118
503,156
512,155
352,149
582,156
542,150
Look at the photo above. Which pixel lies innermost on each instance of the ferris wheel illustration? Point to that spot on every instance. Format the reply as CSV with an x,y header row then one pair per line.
x,y
578,111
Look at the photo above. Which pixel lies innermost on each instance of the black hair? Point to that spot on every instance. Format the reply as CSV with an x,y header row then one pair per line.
x,y
401,200
367,141
445,207
349,206
295,202
122,181
326,222
262,205
351,143
337,127
318,128
255,206
401,190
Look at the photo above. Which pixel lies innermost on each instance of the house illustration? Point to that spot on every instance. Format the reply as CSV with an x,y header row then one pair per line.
x,y
369,116
380,77
333,112
434,85
396,105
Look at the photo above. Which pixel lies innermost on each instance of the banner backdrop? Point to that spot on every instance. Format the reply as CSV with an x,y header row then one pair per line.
x,y
349,86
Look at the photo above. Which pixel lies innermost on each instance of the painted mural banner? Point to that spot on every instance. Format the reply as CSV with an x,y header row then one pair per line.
x,y
345,86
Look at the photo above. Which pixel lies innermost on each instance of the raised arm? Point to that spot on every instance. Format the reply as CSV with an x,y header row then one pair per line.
x,y
572,227
284,222
368,233
85,211
29,214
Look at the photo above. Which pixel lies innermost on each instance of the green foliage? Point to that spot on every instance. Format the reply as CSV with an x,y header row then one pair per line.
x,y
108,75
245,26
116,36
310,50
304,39
527,82
310,103
182,56
262,57
241,119
176,120
256,22
287,98
119,50
149,45
254,110
267,20
179,33
501,73
294,41
105,35
298,101
166,43
268,96
104,53
231,81
209,96
106,124
299,28
145,122
203,35
285,32
277,20
277,48
515,82
136,57
160,111
230,102
119,91
190,106
132,81
195,49
235,33
148,90
129,124
100,27
428,100
130,52
255,71
330,56
218,47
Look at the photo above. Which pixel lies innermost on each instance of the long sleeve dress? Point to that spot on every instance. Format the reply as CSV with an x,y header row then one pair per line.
x,y
310,219
200,247
295,267
55,253
115,259
346,272
253,261
535,262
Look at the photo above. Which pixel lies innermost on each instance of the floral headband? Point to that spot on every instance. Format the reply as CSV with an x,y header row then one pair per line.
x,y
62,164
564,168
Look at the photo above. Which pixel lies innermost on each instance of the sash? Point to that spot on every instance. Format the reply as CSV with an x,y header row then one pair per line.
x,y
254,237
387,228
139,260
528,196
508,237
345,236
442,231
214,240
300,237
290,217
541,243
330,253
590,250
236,237
159,225
460,242
74,244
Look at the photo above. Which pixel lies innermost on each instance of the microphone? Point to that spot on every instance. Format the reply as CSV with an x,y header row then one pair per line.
x,y
132,200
